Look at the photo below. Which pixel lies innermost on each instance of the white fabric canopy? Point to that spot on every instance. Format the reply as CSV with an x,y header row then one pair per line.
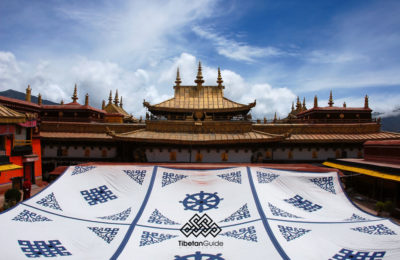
x,y
137,212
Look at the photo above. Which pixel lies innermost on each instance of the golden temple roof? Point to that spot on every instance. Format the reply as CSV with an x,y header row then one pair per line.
x,y
205,98
146,136
8,115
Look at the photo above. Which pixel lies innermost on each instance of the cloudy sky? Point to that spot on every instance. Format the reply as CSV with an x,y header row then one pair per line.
x,y
271,51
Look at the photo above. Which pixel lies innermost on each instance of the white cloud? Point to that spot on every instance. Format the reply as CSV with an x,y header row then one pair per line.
x,y
236,50
9,70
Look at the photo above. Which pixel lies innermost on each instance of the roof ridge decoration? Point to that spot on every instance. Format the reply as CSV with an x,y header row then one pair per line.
x,y
110,97
75,95
330,103
116,100
199,78
219,79
178,80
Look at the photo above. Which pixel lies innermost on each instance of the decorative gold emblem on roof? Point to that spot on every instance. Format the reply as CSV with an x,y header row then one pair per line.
x,y
74,96
330,103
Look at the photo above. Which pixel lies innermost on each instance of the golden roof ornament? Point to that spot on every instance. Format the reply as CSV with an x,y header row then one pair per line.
x,y
75,95
87,99
292,106
28,93
315,101
366,103
330,103
298,104
120,103
344,104
304,104
110,97
103,105
219,79
39,100
199,78
178,78
62,102
275,117
116,100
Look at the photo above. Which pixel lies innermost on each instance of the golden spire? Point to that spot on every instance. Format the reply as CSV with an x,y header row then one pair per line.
x,y
103,105
298,104
116,100
87,99
275,117
366,103
219,79
178,78
199,78
120,103
315,101
304,104
344,104
62,102
330,103
28,94
292,106
110,97
75,95
39,101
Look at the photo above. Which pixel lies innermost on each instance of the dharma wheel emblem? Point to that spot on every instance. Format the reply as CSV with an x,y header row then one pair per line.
x,y
201,201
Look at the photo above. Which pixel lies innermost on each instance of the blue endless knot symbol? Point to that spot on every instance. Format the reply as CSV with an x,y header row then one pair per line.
x,y
203,225
98,195
306,205
201,201
347,254
40,248
199,256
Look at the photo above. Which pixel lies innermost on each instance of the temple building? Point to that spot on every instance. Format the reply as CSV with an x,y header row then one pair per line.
x,y
198,124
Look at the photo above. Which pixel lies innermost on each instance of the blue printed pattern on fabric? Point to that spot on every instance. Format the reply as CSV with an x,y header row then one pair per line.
x,y
149,238
299,202
28,216
199,256
248,234
347,254
169,177
122,216
290,233
40,248
49,201
107,234
266,177
235,177
355,217
158,218
325,183
98,195
136,175
82,169
279,212
379,229
241,213
201,201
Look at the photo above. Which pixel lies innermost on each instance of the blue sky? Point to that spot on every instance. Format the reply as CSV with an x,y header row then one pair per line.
x,y
271,51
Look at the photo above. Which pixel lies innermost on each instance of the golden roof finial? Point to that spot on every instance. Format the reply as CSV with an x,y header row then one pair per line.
x,y
298,104
330,103
116,100
75,95
103,105
292,106
87,99
275,117
304,104
219,79
366,102
39,101
178,78
110,97
28,93
315,101
344,104
199,78
120,103
62,102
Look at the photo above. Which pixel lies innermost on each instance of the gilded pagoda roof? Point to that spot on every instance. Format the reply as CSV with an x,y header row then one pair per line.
x,y
8,115
146,136
204,98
